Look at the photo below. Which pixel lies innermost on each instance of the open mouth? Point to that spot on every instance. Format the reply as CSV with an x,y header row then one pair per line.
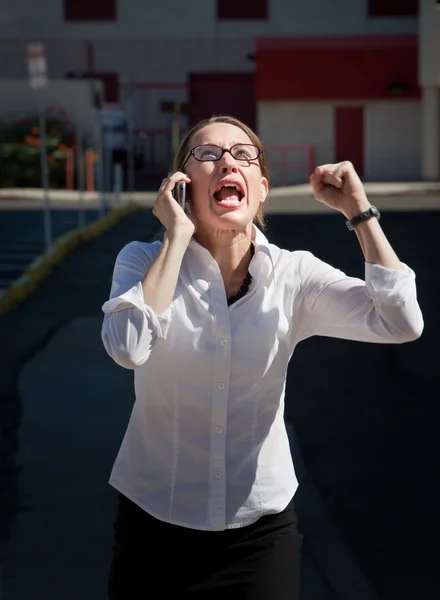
x,y
228,194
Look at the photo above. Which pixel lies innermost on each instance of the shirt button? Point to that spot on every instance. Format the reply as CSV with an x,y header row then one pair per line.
x,y
219,430
221,386
218,475
223,342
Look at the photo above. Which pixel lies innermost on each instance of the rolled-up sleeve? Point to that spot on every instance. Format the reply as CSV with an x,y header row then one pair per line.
x,y
130,327
383,308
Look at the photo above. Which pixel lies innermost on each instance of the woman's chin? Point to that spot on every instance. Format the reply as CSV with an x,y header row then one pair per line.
x,y
224,219
233,219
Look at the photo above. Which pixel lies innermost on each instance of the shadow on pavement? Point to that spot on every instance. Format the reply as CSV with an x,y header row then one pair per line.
x,y
363,423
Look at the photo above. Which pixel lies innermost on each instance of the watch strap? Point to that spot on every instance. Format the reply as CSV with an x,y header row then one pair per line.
x,y
373,211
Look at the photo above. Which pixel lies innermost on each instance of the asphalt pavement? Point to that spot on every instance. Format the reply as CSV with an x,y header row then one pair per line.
x,y
22,234
363,422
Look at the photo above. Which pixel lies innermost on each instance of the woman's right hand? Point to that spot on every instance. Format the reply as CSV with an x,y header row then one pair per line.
x,y
168,210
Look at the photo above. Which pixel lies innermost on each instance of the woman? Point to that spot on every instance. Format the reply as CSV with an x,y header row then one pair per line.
x,y
208,319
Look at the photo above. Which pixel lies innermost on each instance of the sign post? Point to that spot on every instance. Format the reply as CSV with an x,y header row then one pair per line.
x,y
37,68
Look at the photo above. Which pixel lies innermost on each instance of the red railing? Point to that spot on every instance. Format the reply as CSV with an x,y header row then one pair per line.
x,y
89,170
290,164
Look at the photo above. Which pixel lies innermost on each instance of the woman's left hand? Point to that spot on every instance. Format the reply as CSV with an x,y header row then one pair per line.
x,y
339,187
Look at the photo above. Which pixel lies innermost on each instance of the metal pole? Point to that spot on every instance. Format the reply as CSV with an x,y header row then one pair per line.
x,y
44,174
117,183
108,166
175,128
81,179
99,137
130,135
101,168
80,169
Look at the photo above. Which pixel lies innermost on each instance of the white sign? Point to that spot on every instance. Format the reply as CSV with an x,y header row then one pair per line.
x,y
37,66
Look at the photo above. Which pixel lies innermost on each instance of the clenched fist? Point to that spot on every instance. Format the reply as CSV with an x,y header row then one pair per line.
x,y
339,187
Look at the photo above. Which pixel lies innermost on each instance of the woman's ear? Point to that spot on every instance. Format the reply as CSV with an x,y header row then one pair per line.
x,y
264,188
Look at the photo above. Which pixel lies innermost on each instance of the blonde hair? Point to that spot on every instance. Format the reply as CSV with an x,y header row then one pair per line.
x,y
184,148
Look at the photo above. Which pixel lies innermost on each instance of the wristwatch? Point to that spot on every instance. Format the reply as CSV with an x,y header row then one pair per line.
x,y
373,211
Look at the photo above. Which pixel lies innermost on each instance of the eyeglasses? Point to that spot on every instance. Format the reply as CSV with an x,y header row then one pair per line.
x,y
241,153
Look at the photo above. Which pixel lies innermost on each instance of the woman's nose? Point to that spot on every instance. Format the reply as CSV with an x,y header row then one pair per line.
x,y
228,163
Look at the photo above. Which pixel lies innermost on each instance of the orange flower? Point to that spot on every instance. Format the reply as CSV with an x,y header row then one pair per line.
x,y
31,141
62,148
35,131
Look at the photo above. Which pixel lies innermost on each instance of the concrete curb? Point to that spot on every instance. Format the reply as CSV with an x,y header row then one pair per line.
x,y
42,266
372,188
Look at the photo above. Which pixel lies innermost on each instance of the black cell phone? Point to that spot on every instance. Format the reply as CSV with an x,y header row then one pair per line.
x,y
180,193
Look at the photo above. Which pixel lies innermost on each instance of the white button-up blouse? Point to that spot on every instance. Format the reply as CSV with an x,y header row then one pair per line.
x,y
206,445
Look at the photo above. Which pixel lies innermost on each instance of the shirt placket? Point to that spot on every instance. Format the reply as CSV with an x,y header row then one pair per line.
x,y
220,406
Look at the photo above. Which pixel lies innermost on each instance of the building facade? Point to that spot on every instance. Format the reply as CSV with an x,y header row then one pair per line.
x,y
319,81
429,80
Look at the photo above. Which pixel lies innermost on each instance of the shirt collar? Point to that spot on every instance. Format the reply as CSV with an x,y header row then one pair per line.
x,y
262,263
263,254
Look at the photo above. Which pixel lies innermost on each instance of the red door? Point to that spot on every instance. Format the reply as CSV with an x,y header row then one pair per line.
x,y
349,134
222,94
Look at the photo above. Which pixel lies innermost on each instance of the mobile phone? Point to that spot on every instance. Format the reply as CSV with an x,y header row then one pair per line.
x,y
180,193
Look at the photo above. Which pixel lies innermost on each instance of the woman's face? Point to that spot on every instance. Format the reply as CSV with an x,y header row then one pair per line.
x,y
214,200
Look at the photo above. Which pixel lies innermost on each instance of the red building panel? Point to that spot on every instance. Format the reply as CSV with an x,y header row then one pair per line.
x,y
339,68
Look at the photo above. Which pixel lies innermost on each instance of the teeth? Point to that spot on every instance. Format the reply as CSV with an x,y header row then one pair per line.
x,y
235,187
230,185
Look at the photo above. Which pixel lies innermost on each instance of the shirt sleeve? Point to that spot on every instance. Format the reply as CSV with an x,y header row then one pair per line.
x,y
131,327
382,309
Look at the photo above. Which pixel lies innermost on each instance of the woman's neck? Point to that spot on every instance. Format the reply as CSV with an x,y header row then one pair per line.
x,y
231,253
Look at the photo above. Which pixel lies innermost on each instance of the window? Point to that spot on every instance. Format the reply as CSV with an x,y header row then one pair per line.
x,y
242,9
90,10
393,8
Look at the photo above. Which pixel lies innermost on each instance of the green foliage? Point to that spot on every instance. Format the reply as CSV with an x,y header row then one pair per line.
x,y
20,156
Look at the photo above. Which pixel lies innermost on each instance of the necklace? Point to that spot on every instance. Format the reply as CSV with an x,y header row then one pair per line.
x,y
245,285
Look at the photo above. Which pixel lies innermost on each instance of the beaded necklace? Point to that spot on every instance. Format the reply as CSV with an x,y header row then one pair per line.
x,y
245,285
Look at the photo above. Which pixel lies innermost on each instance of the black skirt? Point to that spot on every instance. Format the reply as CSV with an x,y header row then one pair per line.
x,y
153,559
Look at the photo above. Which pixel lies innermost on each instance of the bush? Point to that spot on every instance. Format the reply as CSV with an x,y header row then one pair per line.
x,y
20,156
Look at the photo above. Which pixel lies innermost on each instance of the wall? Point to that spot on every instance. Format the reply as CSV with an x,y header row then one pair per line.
x,y
393,141
158,59
146,44
173,59
163,41
17,99
429,77
297,123
392,135
429,31
138,19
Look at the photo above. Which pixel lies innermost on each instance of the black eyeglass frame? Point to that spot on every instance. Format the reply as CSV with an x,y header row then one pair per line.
x,y
223,150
